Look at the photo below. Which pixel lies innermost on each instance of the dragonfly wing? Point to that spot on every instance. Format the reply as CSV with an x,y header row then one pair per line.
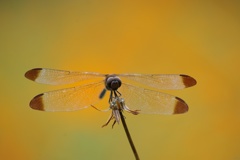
x,y
161,81
151,102
68,99
55,77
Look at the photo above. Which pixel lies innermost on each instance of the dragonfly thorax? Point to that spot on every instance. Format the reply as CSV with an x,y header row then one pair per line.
x,y
112,83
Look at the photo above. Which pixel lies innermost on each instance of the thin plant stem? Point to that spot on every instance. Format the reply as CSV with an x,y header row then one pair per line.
x,y
129,136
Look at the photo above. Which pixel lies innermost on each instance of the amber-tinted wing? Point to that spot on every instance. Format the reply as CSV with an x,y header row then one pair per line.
x,y
160,81
56,77
151,102
68,99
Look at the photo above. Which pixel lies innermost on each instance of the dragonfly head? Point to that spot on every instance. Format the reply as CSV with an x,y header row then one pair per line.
x,y
112,82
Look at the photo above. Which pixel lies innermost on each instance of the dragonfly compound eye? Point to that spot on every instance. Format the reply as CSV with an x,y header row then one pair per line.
x,y
113,83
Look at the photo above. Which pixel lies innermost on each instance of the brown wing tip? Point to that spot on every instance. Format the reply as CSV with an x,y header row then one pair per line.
x,y
180,107
188,81
37,103
33,73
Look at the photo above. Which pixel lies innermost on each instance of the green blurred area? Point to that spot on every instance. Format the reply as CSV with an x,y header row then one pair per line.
x,y
199,38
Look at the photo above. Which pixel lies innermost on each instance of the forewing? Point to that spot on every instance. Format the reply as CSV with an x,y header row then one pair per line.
x,y
160,81
151,102
56,77
68,99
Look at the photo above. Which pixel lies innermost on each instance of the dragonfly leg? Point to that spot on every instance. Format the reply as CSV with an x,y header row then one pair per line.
x,y
119,94
109,119
135,112
114,123
110,98
105,110
95,108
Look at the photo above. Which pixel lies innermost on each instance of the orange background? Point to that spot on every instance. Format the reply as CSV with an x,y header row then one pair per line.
x,y
200,39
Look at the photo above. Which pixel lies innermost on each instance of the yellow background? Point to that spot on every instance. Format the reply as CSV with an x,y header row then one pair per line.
x,y
198,38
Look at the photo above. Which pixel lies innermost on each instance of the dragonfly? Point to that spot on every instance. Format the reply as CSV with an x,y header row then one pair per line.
x,y
139,91
146,101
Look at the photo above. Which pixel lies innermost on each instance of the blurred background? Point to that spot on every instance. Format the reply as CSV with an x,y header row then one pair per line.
x,y
199,38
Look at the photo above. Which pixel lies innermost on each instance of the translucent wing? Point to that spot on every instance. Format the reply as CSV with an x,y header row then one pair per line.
x,y
68,99
55,77
160,81
151,102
